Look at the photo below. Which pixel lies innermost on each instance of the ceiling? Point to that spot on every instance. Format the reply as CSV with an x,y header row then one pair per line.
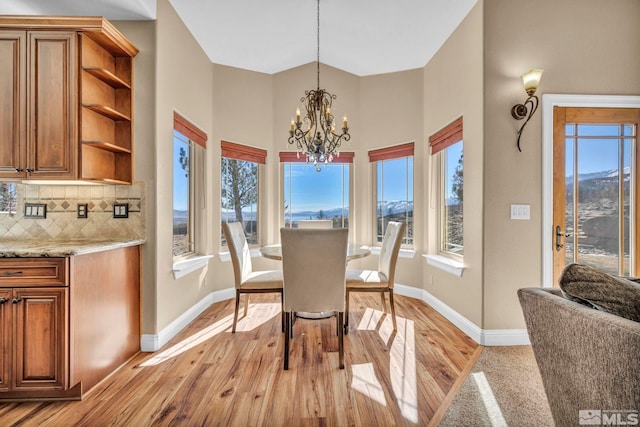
x,y
363,37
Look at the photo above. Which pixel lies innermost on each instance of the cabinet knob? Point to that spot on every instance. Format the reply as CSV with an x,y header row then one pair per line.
x,y
19,169
29,170
16,300
3,300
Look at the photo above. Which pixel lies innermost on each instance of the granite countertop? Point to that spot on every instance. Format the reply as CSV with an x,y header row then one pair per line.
x,y
61,248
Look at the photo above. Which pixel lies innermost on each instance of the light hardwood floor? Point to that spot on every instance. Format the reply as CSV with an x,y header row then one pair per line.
x,y
207,376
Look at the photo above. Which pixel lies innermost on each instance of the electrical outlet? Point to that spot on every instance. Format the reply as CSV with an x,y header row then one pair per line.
x,y
121,210
35,210
83,210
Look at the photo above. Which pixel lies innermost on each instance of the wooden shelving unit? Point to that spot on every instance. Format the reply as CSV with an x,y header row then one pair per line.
x,y
105,115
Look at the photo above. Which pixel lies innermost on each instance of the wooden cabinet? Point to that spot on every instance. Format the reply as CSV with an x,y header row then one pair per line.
x,y
33,341
65,100
67,323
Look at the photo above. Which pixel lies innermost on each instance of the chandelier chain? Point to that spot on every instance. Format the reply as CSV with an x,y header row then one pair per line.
x,y
318,45
314,134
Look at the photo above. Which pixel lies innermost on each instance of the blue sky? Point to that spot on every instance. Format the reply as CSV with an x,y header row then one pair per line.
x,y
180,182
311,190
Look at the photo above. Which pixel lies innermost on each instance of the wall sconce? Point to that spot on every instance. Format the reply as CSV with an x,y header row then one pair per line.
x,y
531,80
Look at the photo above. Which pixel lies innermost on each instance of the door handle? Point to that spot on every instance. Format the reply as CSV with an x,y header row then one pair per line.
x,y
559,236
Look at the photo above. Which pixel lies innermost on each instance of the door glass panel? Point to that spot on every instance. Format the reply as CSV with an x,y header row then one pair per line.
x,y
598,203
627,232
569,193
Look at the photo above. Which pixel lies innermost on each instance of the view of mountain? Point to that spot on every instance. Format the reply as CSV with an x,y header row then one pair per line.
x,y
613,173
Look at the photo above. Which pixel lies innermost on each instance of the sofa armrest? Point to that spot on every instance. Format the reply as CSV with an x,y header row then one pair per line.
x,y
588,359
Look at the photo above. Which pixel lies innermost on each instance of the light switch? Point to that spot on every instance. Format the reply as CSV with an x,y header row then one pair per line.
x,y
520,212
121,210
35,210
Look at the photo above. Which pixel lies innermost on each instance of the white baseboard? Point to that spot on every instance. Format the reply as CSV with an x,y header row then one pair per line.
x,y
153,342
486,337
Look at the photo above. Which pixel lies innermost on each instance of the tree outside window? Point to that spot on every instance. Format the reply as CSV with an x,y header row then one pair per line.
x,y
240,196
452,199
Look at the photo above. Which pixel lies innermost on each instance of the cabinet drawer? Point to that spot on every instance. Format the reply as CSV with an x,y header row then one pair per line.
x,y
16,272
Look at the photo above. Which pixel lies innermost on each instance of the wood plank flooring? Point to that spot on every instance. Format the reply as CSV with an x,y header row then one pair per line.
x,y
207,376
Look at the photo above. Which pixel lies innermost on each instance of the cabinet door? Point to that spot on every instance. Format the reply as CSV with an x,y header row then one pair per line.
x,y
5,339
40,338
52,113
13,100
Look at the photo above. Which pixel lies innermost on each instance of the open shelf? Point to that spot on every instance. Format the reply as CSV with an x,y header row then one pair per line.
x,y
108,146
107,112
108,77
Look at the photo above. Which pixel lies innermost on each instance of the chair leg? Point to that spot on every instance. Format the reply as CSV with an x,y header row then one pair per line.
x,y
282,309
340,340
287,327
393,310
346,316
235,312
383,302
246,304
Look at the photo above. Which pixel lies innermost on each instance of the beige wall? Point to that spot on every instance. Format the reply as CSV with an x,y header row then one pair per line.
x,y
143,35
453,87
586,47
475,74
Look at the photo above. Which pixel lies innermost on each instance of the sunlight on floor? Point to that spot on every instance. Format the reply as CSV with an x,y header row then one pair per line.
x,y
489,400
256,316
402,363
365,381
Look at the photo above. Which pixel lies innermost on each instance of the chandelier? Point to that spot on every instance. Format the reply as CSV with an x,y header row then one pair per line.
x,y
315,135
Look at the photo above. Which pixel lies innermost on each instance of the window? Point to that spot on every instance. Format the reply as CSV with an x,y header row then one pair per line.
x,y
186,137
394,188
240,185
311,195
447,146
8,197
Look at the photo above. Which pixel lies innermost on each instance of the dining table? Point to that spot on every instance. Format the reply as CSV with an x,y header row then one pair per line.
x,y
354,251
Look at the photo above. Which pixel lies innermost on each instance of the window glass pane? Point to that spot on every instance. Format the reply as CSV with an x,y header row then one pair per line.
x,y
240,196
628,130
8,197
570,129
598,130
394,196
569,204
311,195
182,190
627,206
452,202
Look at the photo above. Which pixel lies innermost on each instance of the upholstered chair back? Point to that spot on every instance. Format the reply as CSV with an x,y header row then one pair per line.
x,y
239,251
316,223
314,266
389,251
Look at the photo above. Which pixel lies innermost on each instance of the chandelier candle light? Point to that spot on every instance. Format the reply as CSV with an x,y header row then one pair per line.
x,y
315,135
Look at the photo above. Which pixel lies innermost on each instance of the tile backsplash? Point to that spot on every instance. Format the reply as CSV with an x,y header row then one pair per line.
x,y
61,221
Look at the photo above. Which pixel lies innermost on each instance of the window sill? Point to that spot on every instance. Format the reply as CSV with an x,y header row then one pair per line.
x,y
404,253
184,267
226,256
445,264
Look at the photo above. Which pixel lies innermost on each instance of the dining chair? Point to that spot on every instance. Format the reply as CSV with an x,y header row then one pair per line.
x,y
315,223
314,266
383,279
248,281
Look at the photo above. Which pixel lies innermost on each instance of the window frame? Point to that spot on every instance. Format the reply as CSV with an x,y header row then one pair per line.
x,y
245,153
395,152
439,142
196,140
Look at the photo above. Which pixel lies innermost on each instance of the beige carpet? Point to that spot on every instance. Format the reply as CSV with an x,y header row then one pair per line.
x,y
504,388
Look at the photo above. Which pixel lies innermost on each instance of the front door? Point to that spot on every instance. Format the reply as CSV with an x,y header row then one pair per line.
x,y
595,189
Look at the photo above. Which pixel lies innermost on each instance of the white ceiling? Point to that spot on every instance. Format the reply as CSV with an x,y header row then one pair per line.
x,y
363,37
